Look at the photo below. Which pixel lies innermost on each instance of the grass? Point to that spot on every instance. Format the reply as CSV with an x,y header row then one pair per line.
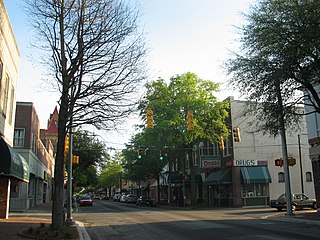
x,y
45,232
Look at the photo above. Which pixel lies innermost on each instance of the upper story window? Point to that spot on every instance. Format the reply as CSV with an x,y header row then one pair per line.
x,y
1,70
280,177
5,95
227,147
11,106
18,138
308,177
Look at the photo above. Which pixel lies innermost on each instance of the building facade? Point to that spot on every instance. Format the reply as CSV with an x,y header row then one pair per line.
x,y
12,166
39,156
243,173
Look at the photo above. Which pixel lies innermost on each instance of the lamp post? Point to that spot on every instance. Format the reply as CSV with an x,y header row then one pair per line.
x,y
300,160
69,182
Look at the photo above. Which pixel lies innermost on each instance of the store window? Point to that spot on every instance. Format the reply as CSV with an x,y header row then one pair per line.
x,y
15,189
255,190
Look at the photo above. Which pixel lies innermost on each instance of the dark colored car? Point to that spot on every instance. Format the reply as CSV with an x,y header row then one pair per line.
x,y
143,200
85,201
130,198
299,201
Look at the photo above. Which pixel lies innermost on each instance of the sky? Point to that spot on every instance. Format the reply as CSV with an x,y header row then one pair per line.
x,y
182,36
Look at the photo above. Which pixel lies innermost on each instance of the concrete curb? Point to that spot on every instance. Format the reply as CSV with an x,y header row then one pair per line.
x,y
83,234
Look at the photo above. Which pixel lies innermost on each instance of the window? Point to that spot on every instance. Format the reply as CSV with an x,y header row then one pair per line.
x,y
227,148
280,177
4,99
18,138
308,177
1,70
11,106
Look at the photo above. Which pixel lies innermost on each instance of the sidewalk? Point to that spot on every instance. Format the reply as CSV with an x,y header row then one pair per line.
x,y
33,217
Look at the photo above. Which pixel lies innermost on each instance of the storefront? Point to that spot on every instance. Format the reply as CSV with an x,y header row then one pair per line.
x,y
252,180
255,185
14,176
219,187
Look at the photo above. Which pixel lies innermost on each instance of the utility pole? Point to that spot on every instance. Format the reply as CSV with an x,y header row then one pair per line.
x,y
300,160
284,150
69,182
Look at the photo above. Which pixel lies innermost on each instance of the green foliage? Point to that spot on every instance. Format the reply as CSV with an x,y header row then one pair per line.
x,y
111,172
170,104
280,46
91,154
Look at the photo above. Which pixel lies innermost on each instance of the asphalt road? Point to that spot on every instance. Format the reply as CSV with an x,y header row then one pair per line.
x,y
109,220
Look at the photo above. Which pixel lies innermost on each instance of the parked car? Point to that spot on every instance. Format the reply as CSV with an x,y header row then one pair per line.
x,y
116,197
123,198
143,200
130,198
104,197
96,196
85,201
299,201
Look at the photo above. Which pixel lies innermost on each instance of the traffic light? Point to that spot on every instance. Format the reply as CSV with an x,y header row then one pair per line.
x,y
75,160
162,155
291,161
278,162
66,144
190,121
149,117
139,151
221,143
236,134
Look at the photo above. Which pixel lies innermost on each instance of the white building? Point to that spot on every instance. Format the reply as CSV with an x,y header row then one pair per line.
x,y
265,149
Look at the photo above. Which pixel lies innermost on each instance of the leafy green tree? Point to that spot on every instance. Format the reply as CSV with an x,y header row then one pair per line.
x,y
171,103
279,56
91,154
111,173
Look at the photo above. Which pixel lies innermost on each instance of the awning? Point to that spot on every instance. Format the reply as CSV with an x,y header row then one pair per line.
x,y
175,178
220,177
12,164
255,174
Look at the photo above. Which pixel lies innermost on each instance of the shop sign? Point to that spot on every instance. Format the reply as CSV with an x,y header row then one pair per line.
x,y
238,163
210,161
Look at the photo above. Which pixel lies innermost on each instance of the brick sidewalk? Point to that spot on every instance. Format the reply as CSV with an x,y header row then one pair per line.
x,y
19,221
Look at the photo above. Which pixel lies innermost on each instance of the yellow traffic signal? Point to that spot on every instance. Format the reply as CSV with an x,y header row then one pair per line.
x,y
236,134
75,160
291,161
221,143
149,117
190,121
66,144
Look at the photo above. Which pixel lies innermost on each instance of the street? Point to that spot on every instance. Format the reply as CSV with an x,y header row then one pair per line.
x,y
114,220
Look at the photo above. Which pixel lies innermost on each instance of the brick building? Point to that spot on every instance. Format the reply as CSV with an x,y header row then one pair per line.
x,y
38,153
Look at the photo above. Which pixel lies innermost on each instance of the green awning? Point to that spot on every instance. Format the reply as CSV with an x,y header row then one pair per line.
x,y
12,164
220,177
255,174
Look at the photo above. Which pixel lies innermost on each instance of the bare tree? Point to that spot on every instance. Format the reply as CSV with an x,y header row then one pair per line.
x,y
96,56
